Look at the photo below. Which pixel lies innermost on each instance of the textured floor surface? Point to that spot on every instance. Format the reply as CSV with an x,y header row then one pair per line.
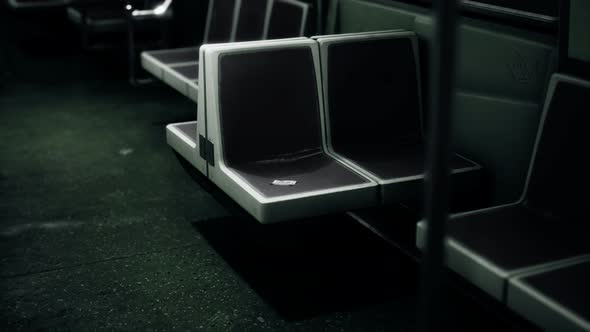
x,y
101,226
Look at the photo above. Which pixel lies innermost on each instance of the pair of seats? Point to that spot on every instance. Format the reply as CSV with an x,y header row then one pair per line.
x,y
302,127
227,21
534,254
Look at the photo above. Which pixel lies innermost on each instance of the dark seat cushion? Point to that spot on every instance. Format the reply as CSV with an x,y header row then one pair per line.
x,y
270,122
395,161
189,71
312,171
189,129
176,55
569,286
268,104
516,237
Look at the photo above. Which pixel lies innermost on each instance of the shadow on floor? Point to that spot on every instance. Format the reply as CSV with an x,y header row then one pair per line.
x,y
307,267
328,264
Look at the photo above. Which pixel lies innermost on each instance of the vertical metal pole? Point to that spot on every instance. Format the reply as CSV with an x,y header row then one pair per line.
x,y
437,191
131,52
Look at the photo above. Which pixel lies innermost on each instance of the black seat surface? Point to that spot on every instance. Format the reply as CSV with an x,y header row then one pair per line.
x,y
189,129
177,55
569,286
396,161
514,237
190,71
314,171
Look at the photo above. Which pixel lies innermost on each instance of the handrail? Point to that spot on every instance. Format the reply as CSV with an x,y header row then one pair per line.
x,y
159,10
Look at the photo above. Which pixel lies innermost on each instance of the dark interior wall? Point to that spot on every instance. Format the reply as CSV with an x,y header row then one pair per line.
x,y
502,76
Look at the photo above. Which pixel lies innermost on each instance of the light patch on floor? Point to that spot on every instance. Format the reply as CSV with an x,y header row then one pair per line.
x,y
55,225
125,151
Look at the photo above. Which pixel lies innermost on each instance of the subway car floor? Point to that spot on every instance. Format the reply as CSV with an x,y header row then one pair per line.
x,y
101,226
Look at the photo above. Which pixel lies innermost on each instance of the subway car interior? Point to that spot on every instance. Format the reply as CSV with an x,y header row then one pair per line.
x,y
294,165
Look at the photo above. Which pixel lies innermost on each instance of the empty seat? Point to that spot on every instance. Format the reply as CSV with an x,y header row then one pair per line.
x,y
554,298
548,223
373,106
263,113
184,77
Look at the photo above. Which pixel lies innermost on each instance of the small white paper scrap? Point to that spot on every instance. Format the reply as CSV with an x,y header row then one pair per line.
x,y
284,182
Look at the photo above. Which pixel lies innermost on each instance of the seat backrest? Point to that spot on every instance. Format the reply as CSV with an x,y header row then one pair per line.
x,y
288,18
252,19
559,171
269,106
221,21
371,90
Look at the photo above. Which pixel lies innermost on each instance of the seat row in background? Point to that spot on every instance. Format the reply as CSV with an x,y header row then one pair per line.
x,y
302,127
106,24
137,19
227,21
534,255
